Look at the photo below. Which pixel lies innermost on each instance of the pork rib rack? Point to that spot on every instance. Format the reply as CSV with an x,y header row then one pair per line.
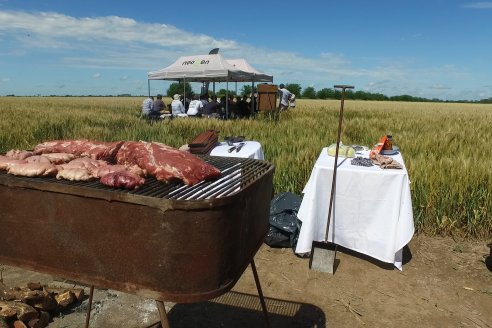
x,y
166,163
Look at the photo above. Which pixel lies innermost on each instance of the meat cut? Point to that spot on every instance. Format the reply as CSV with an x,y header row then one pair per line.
x,y
122,179
166,163
18,154
106,169
83,160
6,161
33,169
59,158
80,148
83,163
75,174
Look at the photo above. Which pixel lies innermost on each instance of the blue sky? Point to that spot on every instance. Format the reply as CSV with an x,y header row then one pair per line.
x,y
434,49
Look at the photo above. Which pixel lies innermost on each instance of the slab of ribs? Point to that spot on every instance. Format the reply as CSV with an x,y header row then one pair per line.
x,y
120,164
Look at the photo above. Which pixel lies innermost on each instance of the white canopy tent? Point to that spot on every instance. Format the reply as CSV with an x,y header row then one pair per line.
x,y
209,68
244,66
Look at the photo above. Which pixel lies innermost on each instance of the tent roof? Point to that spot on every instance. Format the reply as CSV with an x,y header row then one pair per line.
x,y
205,68
243,65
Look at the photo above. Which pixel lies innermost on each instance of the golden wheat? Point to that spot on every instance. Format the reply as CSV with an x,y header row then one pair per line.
x,y
445,145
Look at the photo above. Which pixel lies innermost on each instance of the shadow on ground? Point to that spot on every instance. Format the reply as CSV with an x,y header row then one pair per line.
x,y
241,310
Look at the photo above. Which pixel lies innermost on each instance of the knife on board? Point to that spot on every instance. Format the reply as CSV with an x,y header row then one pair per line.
x,y
238,148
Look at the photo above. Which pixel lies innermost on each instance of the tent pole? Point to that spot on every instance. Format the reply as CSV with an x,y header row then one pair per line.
x,y
148,86
184,92
253,97
227,97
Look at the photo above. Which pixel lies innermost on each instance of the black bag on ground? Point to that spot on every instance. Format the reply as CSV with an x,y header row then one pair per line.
x,y
284,224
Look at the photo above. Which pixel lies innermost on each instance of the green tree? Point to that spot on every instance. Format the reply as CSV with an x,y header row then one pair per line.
x,y
222,92
246,90
309,93
326,93
177,88
294,88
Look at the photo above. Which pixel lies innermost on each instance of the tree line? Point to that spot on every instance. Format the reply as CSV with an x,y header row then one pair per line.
x,y
325,93
306,93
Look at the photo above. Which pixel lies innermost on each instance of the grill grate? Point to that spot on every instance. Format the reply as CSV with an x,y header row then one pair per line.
x,y
237,173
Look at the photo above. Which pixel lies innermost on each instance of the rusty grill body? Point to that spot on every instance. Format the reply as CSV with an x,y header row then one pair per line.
x,y
167,242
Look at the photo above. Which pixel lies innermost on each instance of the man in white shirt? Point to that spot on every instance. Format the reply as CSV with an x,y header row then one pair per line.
x,y
177,106
284,96
148,106
196,107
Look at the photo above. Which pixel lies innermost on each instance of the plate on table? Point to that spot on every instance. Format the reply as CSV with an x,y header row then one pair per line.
x,y
393,151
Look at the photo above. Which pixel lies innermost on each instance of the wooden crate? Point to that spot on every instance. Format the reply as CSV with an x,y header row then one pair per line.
x,y
267,97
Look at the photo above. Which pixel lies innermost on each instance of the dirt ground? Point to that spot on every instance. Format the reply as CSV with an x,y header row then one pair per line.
x,y
444,283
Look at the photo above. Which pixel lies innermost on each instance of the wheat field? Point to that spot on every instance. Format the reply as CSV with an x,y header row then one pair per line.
x,y
445,145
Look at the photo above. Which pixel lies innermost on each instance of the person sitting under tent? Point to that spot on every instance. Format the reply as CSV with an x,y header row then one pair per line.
x,y
196,107
159,105
148,108
212,109
177,106
204,99
242,107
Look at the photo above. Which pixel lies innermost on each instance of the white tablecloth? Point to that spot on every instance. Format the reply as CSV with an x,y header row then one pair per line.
x,y
251,149
372,208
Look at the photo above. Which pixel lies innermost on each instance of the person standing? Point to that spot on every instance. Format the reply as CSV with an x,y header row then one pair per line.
x,y
284,96
292,101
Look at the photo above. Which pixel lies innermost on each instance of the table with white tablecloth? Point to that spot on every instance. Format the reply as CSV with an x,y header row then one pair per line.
x,y
250,149
372,210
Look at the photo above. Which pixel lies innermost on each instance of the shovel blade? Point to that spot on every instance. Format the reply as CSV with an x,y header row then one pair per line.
x,y
323,257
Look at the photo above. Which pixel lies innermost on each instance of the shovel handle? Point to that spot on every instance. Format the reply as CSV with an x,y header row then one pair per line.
x,y
334,179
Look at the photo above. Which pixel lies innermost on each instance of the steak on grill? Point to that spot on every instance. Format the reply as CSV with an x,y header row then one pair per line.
x,y
80,148
166,163
122,179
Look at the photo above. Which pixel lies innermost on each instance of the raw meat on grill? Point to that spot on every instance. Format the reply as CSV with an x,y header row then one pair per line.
x,y
33,169
81,148
75,174
166,163
59,158
38,159
5,162
83,163
106,169
18,154
122,179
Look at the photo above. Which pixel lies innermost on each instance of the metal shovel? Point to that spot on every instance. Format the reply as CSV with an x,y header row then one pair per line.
x,y
323,253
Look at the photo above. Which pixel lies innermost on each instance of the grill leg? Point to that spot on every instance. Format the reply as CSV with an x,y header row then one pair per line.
x,y
89,308
260,293
162,314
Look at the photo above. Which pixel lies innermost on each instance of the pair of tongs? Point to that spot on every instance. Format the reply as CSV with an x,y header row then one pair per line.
x,y
237,148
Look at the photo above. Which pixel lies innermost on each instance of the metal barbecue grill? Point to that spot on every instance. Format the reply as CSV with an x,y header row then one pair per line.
x,y
164,241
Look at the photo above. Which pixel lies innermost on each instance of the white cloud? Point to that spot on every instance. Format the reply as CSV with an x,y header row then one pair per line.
x,y
479,5
5,79
439,87
115,42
